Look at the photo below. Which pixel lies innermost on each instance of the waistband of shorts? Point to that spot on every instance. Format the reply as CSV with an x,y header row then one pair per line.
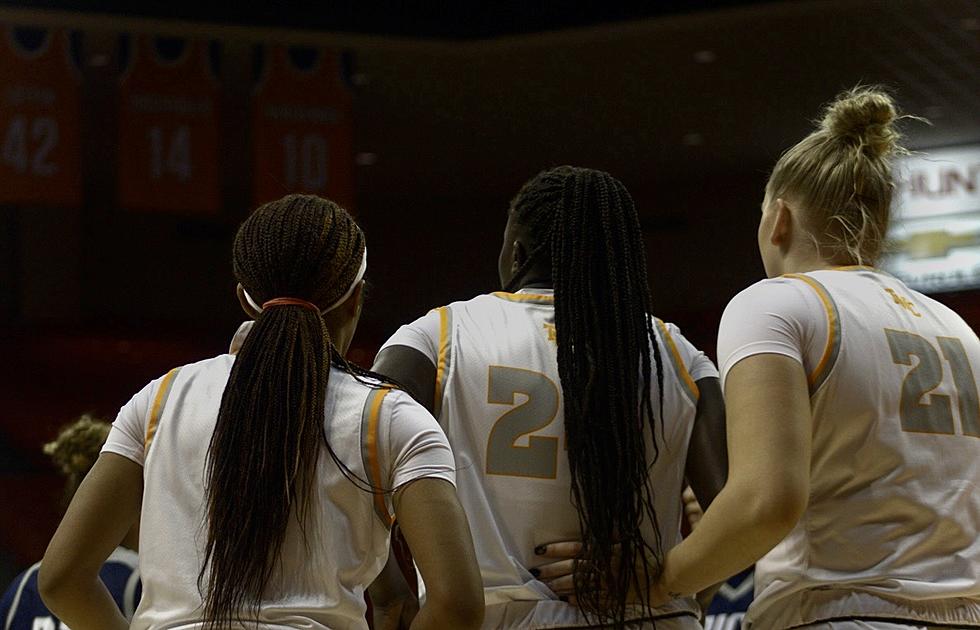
x,y
828,604
551,613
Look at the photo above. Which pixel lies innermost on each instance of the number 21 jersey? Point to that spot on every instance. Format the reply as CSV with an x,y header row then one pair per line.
x,y
892,522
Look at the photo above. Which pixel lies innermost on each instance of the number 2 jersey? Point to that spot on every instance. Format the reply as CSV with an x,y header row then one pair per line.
x,y
892,522
498,398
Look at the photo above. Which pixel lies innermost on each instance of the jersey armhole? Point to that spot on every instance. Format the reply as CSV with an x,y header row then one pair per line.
x,y
444,358
370,457
673,354
818,376
156,411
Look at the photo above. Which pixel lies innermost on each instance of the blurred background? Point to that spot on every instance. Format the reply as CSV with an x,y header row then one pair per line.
x,y
135,137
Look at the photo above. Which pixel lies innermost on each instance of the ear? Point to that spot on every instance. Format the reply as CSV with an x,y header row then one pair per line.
x,y
248,308
520,256
782,226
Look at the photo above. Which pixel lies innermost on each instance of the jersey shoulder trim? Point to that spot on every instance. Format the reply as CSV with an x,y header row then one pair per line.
x,y
159,402
370,421
832,348
689,386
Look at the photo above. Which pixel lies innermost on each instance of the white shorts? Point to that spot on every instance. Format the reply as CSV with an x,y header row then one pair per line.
x,y
869,625
527,615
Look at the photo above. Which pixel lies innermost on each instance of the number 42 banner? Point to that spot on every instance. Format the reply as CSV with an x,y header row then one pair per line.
x,y
39,118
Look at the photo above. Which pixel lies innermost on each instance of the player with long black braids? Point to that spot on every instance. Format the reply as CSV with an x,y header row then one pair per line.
x,y
574,414
269,479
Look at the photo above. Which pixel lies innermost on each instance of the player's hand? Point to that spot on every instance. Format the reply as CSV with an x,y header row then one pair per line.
x,y
558,575
396,616
692,509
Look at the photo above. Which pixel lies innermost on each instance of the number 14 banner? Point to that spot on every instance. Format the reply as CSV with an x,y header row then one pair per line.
x,y
168,128
302,127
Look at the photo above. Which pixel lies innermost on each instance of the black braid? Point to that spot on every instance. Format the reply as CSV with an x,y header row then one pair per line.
x,y
586,222
265,448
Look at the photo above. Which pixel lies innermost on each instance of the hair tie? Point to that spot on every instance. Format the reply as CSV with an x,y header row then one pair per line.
x,y
288,301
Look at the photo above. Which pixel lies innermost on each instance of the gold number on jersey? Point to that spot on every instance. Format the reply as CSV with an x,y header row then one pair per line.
x,y
504,457
936,415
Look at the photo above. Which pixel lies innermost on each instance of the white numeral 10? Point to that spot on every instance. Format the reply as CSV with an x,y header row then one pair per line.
x,y
305,159
170,153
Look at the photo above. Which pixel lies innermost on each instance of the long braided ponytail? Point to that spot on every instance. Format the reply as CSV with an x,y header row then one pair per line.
x,y
264,451
583,223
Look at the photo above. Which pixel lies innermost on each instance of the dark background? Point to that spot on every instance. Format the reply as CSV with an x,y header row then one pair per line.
x,y
689,103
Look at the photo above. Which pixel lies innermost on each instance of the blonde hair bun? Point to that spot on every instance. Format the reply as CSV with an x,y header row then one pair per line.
x,y
864,117
77,446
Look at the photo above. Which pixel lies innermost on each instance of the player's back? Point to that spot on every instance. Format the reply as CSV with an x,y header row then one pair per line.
x,y
894,507
319,579
499,399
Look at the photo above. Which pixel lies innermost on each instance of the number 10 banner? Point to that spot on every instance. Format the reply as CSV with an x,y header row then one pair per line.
x,y
302,127
168,128
39,119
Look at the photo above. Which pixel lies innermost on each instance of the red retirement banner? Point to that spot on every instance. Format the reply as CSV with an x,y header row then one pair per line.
x,y
168,128
39,118
302,127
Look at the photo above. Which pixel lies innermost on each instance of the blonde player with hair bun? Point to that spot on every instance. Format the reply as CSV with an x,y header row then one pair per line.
x,y
74,452
854,423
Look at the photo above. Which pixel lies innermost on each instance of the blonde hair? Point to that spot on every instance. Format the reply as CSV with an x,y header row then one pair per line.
x,y
76,448
841,175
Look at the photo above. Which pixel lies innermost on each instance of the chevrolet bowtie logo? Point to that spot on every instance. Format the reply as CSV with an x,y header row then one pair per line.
x,y
935,244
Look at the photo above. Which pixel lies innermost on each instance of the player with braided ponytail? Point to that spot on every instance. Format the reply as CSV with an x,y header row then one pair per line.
x,y
571,411
269,480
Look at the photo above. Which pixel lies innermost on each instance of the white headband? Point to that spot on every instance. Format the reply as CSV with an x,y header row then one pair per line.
x,y
357,280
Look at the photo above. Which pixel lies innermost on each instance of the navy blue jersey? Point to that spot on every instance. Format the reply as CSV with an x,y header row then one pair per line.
x,y
729,605
22,609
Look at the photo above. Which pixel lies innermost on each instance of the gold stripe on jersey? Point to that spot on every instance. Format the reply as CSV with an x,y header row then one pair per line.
x,y
369,452
832,349
445,357
526,298
690,387
157,410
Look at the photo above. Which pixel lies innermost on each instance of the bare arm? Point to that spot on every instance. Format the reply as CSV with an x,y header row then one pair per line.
x,y
439,537
769,431
412,369
707,453
105,507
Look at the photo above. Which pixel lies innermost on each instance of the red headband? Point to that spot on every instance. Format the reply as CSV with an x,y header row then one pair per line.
x,y
288,301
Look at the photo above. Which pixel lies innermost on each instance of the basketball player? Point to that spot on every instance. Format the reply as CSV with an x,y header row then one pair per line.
x,y
852,403
563,391
74,452
269,478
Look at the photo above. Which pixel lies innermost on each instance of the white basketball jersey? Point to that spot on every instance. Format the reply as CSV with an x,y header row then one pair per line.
x,y
892,527
382,436
498,398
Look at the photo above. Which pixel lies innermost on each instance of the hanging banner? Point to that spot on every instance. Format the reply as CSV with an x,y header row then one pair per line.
x,y
302,127
168,127
934,238
40,151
